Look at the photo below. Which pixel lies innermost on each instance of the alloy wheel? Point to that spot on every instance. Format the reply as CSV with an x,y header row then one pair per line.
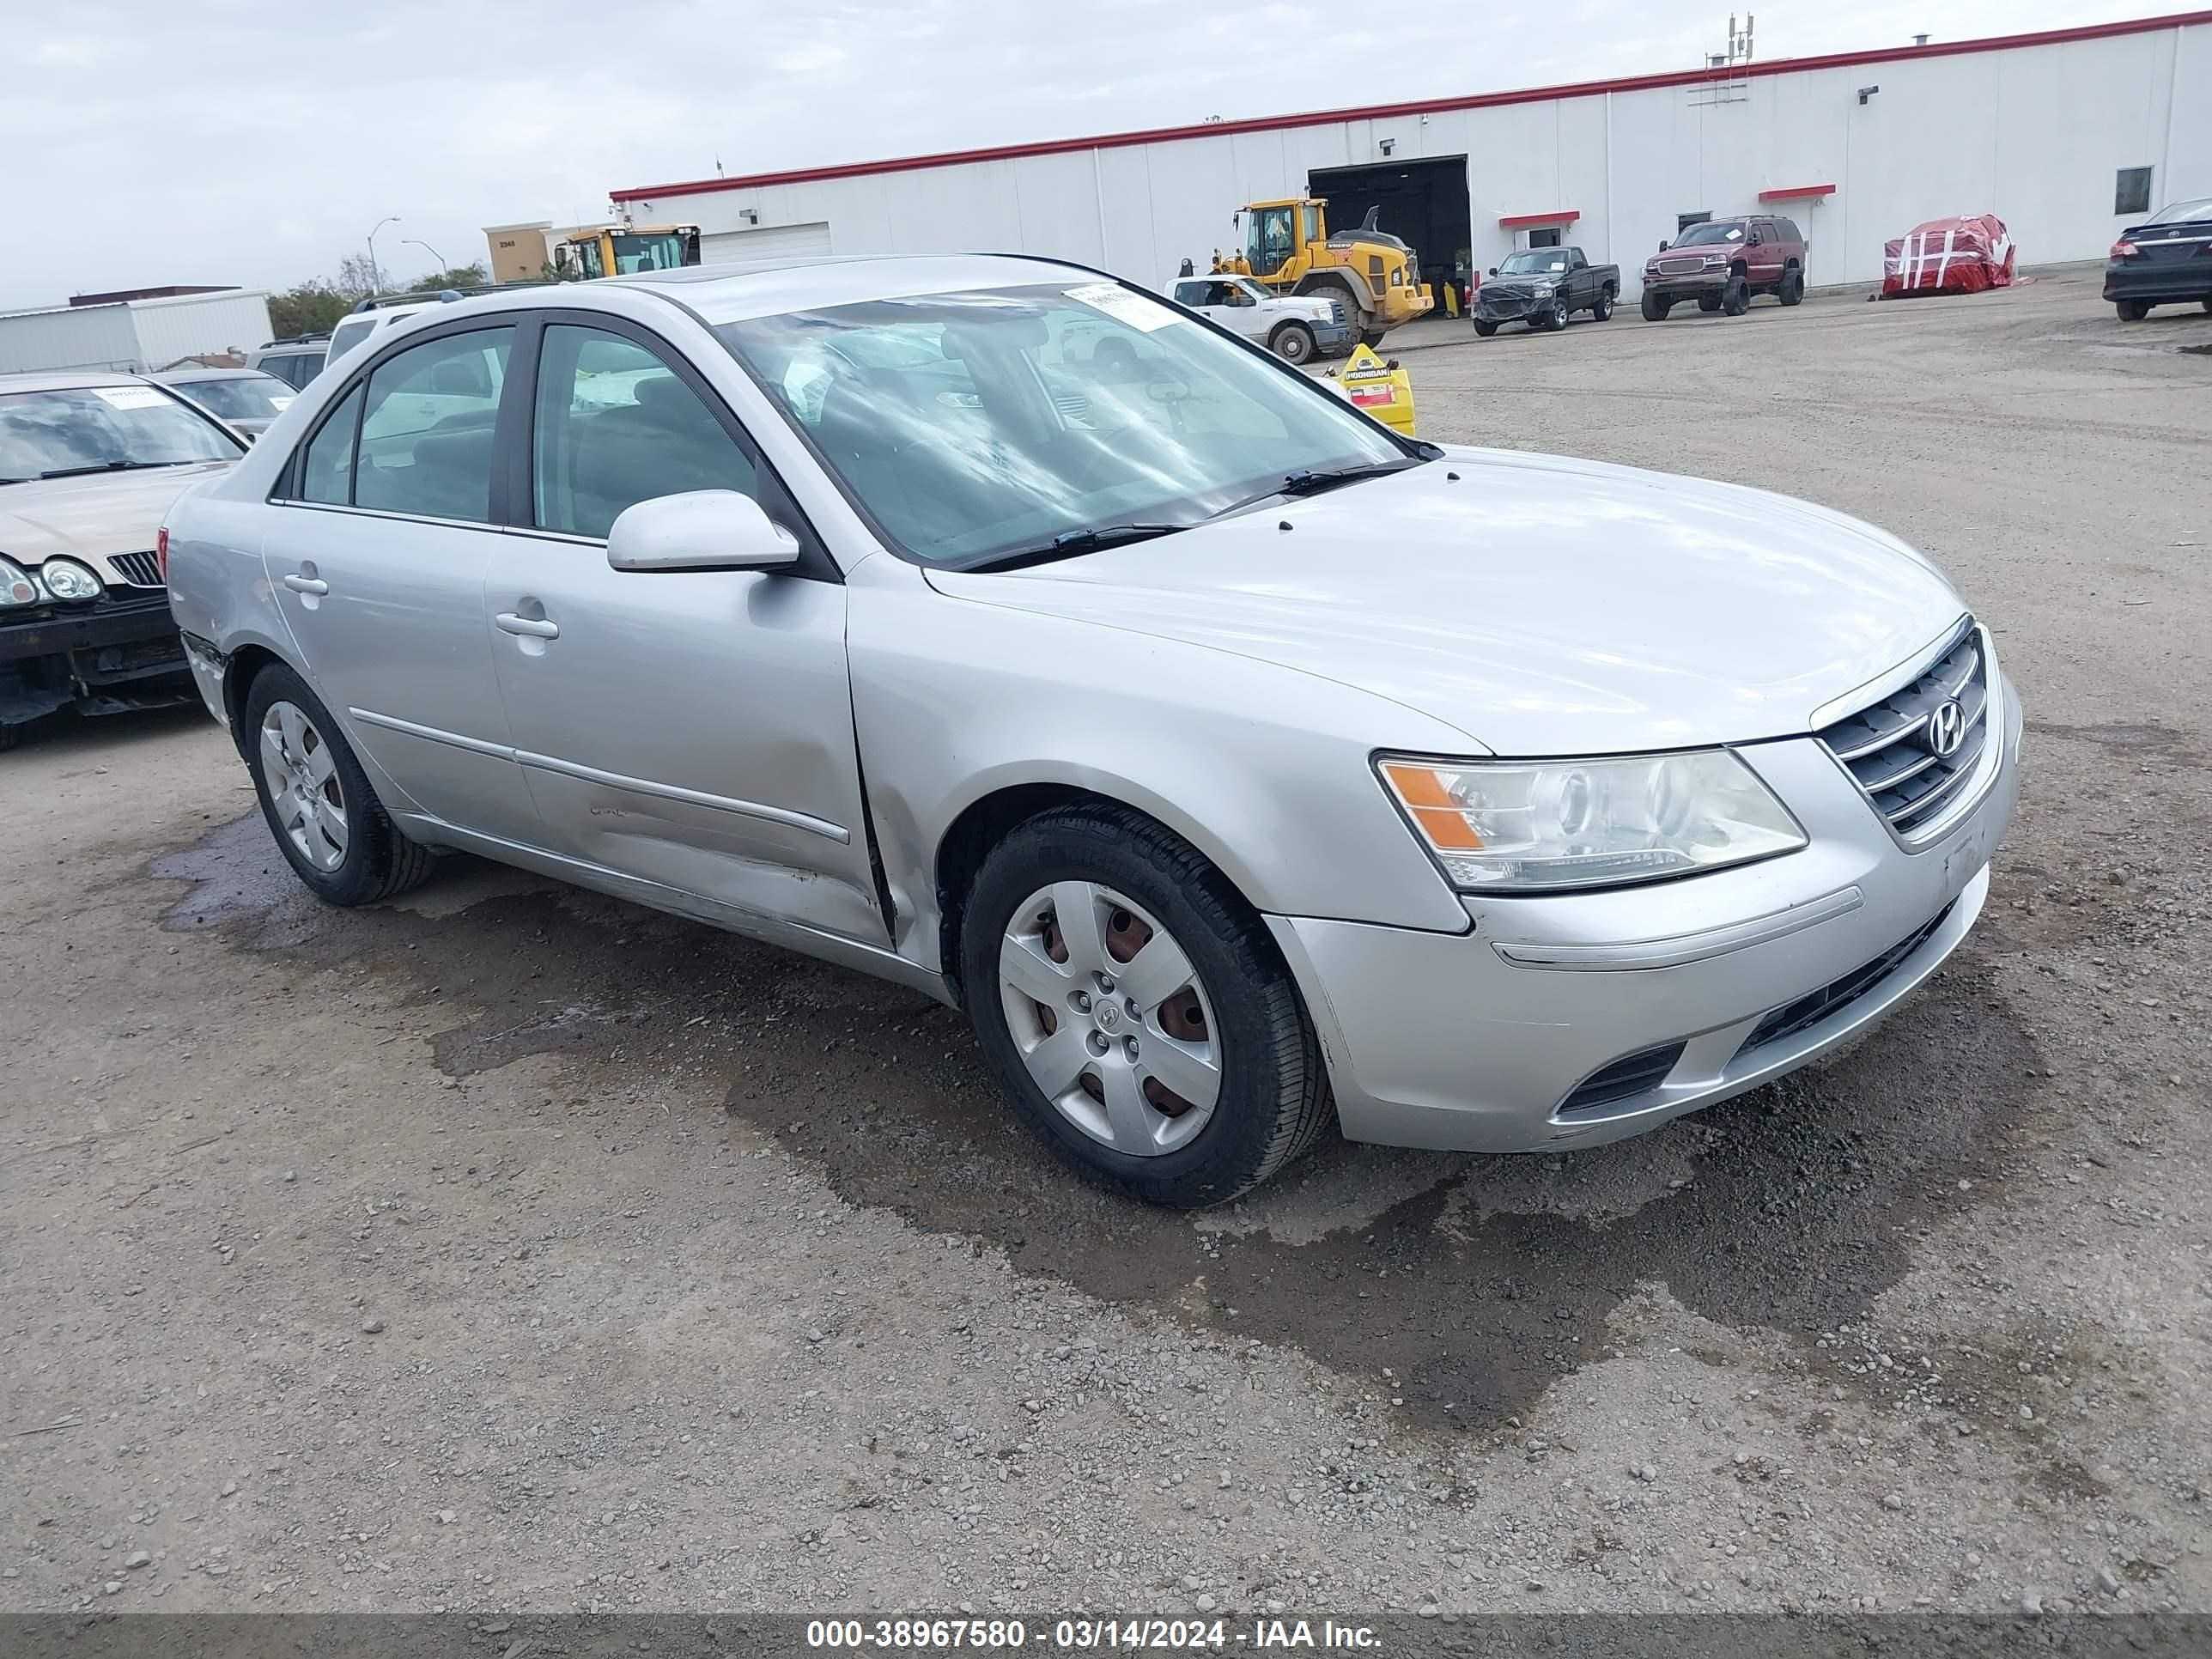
x,y
1109,1017
301,776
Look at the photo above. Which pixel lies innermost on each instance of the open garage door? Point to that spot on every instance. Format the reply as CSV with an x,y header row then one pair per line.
x,y
724,248
1424,203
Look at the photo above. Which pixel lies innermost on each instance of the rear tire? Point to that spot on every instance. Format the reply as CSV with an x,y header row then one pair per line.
x,y
336,834
1372,338
1655,309
10,736
2133,311
1603,308
2206,303
1293,343
1793,288
1485,330
1271,1099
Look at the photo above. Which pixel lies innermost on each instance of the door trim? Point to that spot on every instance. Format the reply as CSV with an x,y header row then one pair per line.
x,y
749,809
432,733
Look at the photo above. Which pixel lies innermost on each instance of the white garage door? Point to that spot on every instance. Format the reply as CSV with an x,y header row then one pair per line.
x,y
767,242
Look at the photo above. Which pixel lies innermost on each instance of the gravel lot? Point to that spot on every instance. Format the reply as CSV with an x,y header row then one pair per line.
x,y
510,1247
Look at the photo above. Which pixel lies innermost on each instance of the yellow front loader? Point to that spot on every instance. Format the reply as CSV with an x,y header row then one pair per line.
x,y
1374,276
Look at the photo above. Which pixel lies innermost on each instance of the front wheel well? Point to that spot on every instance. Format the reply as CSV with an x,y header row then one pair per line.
x,y
238,674
982,824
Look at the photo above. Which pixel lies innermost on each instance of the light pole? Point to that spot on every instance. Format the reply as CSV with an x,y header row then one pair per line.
x,y
375,282
410,242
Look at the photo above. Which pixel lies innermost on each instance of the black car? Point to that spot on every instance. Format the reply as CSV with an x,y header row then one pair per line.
x,y
2167,260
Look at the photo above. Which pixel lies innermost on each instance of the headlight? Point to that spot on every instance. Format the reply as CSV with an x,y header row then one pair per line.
x,y
65,579
1537,826
16,586
1543,290
1714,259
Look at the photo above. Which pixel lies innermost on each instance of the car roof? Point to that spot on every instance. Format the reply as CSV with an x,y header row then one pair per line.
x,y
67,379
730,292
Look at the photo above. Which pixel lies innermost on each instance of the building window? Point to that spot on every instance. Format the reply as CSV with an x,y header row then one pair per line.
x,y
1684,221
1549,237
2132,192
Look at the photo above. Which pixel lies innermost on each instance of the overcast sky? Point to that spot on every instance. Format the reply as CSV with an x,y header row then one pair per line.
x,y
237,141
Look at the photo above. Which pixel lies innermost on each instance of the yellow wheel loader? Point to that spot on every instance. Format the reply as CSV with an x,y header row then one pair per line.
x,y
1372,276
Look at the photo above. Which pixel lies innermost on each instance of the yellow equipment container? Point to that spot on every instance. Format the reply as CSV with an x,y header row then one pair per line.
x,y
1380,386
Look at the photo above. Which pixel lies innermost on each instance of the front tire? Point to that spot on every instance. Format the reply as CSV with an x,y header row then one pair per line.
x,y
1735,298
1655,309
1484,330
1603,308
2133,311
1558,319
1213,1084
12,735
1709,303
1293,343
325,818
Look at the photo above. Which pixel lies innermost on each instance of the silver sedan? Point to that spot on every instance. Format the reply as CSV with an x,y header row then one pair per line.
x,y
1238,765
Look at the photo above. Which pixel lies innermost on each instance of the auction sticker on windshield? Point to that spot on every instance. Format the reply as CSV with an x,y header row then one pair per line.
x,y
1124,307
129,397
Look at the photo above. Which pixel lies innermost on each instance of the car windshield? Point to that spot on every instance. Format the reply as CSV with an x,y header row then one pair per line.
x,y
247,398
971,426
2181,213
1709,233
103,428
1538,261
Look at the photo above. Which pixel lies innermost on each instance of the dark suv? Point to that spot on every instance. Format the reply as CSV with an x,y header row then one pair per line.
x,y
1722,263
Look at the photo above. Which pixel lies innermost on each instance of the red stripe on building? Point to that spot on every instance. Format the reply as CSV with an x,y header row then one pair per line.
x,y
1564,216
1428,106
1794,192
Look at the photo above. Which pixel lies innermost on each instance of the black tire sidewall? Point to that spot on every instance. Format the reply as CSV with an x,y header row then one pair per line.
x,y
359,875
1485,330
1246,986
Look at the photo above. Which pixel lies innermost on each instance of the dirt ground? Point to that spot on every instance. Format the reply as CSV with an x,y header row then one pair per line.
x,y
510,1247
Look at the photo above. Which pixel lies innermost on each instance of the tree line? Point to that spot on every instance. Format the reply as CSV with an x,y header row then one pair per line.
x,y
315,305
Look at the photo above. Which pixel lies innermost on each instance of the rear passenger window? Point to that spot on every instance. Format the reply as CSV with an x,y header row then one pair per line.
x,y
326,473
615,426
426,431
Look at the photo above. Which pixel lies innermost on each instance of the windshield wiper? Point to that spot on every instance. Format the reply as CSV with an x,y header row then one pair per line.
x,y
1308,481
107,466
1069,542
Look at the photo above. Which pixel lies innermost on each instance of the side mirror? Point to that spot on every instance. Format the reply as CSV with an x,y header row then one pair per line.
x,y
1493,271
699,530
1663,246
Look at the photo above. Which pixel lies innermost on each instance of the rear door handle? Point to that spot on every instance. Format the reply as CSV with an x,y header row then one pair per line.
x,y
536,628
306,584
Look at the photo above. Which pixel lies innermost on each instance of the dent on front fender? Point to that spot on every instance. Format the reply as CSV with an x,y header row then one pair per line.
x,y
1264,769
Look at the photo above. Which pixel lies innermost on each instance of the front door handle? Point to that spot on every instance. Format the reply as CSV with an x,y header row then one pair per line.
x,y
306,584
536,628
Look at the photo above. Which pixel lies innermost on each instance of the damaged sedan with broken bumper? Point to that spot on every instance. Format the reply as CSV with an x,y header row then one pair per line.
x,y
88,464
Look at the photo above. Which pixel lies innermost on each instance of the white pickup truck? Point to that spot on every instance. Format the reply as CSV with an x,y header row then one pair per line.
x,y
1295,330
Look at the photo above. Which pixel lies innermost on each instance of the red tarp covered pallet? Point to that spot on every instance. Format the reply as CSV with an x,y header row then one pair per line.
x,y
1948,255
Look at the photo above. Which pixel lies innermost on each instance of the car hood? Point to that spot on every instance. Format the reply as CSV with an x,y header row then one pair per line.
x,y
1541,606
1517,284
94,515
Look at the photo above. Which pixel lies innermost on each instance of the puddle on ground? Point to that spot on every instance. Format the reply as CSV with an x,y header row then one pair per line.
x,y
1479,1281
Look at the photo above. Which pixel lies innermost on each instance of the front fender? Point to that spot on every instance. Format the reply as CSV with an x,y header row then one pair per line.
x,y
1265,769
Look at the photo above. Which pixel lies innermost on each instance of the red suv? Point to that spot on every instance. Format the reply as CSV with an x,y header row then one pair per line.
x,y
1722,263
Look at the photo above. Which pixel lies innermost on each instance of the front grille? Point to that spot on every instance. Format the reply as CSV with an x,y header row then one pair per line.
x,y
1680,267
1336,311
1815,1007
1623,1079
137,570
1503,305
1889,747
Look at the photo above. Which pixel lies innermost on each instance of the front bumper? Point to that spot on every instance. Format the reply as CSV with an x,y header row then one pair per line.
x,y
1333,336
1687,286
1476,1042
1510,307
120,652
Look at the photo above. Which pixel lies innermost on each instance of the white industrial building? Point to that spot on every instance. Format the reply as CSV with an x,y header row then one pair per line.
x,y
137,335
2061,134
